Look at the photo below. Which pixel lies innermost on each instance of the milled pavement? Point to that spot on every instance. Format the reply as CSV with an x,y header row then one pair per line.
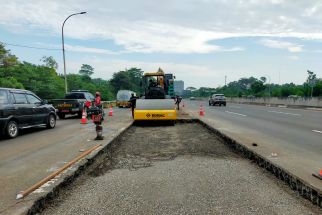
x,y
181,169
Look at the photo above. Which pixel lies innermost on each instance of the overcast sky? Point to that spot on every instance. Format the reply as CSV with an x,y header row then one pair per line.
x,y
200,41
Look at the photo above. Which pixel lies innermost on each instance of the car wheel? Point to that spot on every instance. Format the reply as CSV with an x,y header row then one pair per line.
x,y
61,116
12,129
225,104
209,104
51,121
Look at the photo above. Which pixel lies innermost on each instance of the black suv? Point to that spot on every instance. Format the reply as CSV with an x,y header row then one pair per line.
x,y
23,109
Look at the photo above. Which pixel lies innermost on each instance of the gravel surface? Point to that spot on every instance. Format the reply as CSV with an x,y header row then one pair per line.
x,y
180,169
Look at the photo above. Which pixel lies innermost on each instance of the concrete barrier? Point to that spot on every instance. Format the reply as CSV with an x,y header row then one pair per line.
x,y
291,102
107,104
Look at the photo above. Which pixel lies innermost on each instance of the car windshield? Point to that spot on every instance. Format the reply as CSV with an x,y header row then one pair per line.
x,y
219,95
3,97
75,96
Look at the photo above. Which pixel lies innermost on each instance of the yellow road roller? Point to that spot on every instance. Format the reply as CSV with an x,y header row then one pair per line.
x,y
157,102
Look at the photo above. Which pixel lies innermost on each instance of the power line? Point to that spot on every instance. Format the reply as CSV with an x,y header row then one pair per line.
x,y
30,47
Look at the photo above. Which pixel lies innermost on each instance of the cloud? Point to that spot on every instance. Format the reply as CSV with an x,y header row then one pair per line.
x,y
277,44
171,27
77,48
87,49
293,57
318,51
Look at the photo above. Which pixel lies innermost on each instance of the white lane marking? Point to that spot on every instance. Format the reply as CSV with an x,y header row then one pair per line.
x,y
293,114
239,114
318,109
317,131
234,107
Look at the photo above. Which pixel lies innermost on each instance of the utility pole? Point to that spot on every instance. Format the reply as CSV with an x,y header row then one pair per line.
x,y
225,80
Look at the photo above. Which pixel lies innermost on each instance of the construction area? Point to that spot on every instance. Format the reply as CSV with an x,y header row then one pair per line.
x,y
181,169
178,162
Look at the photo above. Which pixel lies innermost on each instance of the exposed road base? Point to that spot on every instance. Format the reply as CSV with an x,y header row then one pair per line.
x,y
182,169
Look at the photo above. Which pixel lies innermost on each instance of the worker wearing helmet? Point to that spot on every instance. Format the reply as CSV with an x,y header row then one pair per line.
x,y
98,99
98,103
133,103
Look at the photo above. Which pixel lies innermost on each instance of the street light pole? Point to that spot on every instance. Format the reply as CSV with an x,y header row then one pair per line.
x,y
63,44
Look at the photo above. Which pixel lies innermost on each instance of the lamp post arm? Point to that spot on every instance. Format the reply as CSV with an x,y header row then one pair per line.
x,y
63,46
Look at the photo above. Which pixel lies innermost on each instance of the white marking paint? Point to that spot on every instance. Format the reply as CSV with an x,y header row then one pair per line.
x,y
239,114
238,107
19,196
318,109
293,114
39,190
317,131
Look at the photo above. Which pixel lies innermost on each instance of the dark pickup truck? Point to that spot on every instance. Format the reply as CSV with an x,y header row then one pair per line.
x,y
73,103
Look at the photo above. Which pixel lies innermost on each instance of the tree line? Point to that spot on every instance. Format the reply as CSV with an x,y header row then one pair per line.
x,y
44,80
259,87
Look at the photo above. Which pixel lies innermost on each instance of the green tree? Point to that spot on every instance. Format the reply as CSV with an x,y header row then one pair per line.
x,y
191,88
135,75
258,88
86,70
318,88
10,82
127,80
121,81
263,79
311,79
6,58
49,62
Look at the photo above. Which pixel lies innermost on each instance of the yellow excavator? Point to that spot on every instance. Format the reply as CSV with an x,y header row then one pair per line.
x,y
157,101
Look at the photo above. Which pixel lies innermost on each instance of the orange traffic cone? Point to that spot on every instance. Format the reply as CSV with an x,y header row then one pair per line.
x,y
201,111
319,176
111,111
84,117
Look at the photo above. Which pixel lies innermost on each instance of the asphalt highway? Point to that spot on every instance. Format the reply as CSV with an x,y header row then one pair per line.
x,y
303,128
